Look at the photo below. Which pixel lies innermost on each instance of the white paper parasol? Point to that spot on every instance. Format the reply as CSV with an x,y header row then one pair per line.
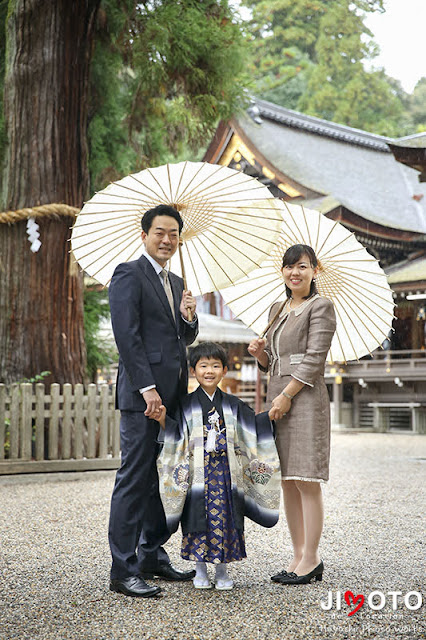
x,y
348,275
231,223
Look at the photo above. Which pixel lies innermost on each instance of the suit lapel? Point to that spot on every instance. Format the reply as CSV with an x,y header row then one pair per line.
x,y
154,279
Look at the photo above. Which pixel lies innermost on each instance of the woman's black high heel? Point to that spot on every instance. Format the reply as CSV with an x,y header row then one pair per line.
x,y
278,576
293,578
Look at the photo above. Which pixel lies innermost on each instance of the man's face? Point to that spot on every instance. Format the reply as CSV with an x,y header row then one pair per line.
x,y
162,239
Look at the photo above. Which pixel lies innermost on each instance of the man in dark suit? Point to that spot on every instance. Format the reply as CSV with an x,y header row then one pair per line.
x,y
149,312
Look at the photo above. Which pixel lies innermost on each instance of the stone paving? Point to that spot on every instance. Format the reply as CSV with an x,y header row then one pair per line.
x,y
54,561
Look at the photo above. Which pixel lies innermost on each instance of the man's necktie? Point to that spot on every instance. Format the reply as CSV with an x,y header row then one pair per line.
x,y
168,290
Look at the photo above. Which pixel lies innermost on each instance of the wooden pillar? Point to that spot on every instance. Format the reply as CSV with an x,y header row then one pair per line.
x,y
337,401
355,406
415,327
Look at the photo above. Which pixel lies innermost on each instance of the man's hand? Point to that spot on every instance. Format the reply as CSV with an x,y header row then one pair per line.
x,y
188,302
153,403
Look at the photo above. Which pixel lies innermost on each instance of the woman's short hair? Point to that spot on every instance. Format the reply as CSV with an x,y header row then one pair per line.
x,y
293,255
160,210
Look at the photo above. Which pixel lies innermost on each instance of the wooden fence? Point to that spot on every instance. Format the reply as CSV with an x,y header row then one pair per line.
x,y
66,430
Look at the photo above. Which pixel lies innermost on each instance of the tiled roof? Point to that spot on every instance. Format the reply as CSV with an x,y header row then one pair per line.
x,y
352,168
408,271
321,127
418,141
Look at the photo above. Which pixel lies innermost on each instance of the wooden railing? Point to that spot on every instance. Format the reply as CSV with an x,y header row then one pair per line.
x,y
68,429
408,363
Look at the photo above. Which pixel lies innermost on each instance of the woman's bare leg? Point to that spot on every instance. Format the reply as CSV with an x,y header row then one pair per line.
x,y
294,515
313,519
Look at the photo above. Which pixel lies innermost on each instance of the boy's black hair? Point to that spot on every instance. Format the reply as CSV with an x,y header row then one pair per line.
x,y
160,210
207,350
293,255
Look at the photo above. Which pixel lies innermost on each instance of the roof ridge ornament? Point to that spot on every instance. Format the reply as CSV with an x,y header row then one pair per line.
x,y
254,112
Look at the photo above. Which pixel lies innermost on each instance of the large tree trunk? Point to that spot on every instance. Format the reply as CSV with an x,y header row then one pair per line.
x,y
49,47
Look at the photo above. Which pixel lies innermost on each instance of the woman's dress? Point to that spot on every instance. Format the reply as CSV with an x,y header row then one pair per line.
x,y
297,346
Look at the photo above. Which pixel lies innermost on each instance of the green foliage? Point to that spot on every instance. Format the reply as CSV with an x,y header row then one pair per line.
x,y
38,377
311,58
339,88
284,33
100,352
110,155
417,106
164,72
281,25
288,93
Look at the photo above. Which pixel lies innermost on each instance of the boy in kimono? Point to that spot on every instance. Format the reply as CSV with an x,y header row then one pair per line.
x,y
218,464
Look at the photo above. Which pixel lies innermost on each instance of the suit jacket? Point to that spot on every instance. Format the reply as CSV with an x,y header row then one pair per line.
x,y
298,342
152,347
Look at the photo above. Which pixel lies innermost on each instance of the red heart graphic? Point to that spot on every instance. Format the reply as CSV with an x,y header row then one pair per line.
x,y
351,599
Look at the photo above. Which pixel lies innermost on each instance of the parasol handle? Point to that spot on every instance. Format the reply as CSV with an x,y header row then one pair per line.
x,y
182,268
280,308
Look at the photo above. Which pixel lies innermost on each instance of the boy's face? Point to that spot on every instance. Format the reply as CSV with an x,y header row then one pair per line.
x,y
209,372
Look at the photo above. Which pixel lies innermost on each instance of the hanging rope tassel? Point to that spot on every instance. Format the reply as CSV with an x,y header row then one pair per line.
x,y
211,440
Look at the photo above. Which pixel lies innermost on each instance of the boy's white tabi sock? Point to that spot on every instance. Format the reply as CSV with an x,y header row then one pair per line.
x,y
200,570
221,571
222,580
201,580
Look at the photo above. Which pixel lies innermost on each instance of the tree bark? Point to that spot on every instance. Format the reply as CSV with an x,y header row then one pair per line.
x,y
49,47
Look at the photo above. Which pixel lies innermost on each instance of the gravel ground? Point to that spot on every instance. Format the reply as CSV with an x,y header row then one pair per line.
x,y
54,560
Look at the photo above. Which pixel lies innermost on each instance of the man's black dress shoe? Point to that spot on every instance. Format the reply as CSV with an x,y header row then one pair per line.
x,y
167,572
134,586
293,578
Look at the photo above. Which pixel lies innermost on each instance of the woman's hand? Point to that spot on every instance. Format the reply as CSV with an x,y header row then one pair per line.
x,y
256,347
281,405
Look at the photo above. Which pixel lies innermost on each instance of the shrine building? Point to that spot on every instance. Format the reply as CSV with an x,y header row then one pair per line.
x,y
376,187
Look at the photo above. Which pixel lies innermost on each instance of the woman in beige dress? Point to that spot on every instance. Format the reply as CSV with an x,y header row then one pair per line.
x,y
294,352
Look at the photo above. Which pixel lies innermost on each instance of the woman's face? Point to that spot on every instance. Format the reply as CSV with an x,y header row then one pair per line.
x,y
298,276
